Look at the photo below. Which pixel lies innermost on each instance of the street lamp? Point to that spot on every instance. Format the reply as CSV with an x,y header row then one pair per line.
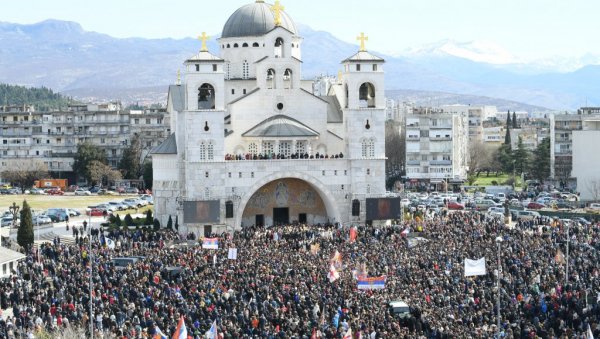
x,y
567,265
498,242
14,210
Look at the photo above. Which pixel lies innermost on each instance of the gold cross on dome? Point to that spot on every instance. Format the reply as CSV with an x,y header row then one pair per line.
x,y
362,38
203,38
277,8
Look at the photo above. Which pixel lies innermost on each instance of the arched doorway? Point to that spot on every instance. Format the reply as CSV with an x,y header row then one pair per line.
x,y
284,199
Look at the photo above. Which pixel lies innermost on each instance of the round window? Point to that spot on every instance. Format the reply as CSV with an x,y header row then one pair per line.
x,y
280,106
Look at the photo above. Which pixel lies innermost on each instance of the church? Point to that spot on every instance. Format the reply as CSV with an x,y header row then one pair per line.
x,y
255,144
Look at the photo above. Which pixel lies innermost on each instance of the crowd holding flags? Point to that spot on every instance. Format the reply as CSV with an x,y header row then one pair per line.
x,y
158,334
353,234
372,283
181,330
212,333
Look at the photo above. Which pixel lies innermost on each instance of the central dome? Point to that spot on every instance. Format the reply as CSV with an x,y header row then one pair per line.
x,y
254,19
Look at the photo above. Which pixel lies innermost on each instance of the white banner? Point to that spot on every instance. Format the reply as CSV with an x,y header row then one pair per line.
x,y
474,267
232,255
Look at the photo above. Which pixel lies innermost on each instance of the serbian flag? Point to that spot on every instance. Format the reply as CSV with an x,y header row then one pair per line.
x,y
158,334
212,333
210,243
337,259
181,330
333,274
373,283
405,232
353,234
348,334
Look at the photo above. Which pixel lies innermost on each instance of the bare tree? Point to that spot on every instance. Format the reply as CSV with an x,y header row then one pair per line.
x,y
23,172
100,172
477,156
593,186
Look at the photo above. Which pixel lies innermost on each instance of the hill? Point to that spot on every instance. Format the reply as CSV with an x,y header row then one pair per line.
x,y
42,98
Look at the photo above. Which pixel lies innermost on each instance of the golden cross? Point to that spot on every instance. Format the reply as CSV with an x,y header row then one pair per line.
x,y
203,38
277,8
362,38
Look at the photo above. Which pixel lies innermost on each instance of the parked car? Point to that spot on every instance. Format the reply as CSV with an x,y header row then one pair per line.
x,y
37,191
108,207
55,191
133,202
526,215
81,191
535,206
7,221
118,205
42,219
95,189
582,221
453,205
150,199
73,212
594,207
132,190
57,214
94,212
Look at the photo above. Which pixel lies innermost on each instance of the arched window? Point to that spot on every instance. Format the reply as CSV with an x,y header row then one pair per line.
x,y
270,78
300,146
278,51
253,148
245,44
255,44
228,46
202,151
206,97
268,147
366,95
346,90
287,79
285,148
235,45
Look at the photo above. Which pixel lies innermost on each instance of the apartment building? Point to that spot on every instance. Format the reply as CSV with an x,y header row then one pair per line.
x,y
586,159
477,115
436,149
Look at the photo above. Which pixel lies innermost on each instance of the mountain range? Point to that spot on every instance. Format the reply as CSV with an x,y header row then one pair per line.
x,y
63,56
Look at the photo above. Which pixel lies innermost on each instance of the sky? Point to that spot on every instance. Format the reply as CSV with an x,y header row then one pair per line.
x,y
528,29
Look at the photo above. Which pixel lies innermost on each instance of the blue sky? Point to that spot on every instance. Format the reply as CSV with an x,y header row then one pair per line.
x,y
529,29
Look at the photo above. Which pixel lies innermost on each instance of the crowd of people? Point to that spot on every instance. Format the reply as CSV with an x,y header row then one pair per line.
x,y
278,286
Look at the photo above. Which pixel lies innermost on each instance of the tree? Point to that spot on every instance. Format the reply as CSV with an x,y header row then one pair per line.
x,y
177,223
86,154
156,225
514,120
25,231
508,119
130,164
170,223
507,140
149,218
477,155
521,157
593,186
147,174
540,166
99,173
128,221
23,172
504,158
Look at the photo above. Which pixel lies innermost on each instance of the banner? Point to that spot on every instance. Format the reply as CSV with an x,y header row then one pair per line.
x,y
314,249
373,283
474,267
352,234
210,243
232,254
415,241
110,244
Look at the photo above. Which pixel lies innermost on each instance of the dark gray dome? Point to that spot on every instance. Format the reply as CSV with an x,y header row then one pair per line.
x,y
254,19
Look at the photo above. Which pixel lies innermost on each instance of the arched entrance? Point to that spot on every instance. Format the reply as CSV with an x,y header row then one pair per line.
x,y
287,198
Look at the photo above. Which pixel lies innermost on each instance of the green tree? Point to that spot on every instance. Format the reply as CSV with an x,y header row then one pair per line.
x,y
130,164
118,220
156,224
514,120
86,154
101,173
128,220
147,174
149,218
508,119
170,223
507,136
177,222
25,231
504,158
521,157
540,165
43,99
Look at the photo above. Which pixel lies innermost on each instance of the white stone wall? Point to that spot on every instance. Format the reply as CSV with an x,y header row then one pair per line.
x,y
586,162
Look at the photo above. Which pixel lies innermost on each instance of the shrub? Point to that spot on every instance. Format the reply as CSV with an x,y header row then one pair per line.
x,y
129,220
156,224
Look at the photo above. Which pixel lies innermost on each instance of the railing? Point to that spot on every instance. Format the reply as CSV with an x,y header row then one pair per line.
x,y
440,138
440,162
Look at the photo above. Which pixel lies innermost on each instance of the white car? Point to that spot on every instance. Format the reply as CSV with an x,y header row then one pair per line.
x,y
41,219
81,191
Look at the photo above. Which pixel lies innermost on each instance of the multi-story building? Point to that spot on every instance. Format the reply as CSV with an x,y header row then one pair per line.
x,y
52,137
586,159
561,148
436,149
151,126
493,134
477,115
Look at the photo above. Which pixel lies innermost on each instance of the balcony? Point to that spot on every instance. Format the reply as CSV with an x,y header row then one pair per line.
x,y
440,126
440,139
440,162
413,163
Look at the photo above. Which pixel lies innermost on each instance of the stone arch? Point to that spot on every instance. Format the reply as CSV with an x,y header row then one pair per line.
x,y
271,78
366,95
325,194
206,96
235,45
255,44
288,78
278,48
245,44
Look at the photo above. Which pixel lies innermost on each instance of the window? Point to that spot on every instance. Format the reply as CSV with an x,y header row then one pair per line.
x,y
202,151
244,91
135,121
240,174
285,148
368,171
371,148
446,157
323,173
206,97
255,44
253,148
278,48
424,157
206,193
345,172
335,172
300,147
214,67
227,70
206,174
424,133
251,174
148,122
358,67
232,91
245,70
270,78
366,95
229,175
244,45
236,45
197,68
210,151
268,147
102,140
374,67
342,187
287,79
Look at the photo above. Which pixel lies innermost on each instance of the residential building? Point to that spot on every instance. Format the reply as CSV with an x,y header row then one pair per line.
x,y
586,158
561,148
436,149
477,116
151,126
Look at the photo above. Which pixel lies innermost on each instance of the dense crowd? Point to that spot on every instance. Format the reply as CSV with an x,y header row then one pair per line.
x,y
278,286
